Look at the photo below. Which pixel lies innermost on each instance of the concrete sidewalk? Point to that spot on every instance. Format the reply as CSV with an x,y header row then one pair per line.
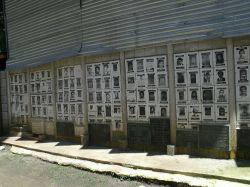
x,y
179,168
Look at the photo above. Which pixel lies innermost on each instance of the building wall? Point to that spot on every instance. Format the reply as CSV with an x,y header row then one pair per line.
x,y
4,104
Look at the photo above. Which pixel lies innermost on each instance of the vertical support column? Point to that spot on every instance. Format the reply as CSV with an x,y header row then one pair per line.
x,y
54,73
9,98
172,103
232,98
29,97
124,99
85,136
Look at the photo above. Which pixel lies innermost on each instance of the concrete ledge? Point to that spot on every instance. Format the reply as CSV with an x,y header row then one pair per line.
x,y
162,164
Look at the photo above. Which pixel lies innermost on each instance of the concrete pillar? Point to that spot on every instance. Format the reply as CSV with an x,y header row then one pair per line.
x,y
54,73
85,136
124,99
29,98
9,98
172,103
232,98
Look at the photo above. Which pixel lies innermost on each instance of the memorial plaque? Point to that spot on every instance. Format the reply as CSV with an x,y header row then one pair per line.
x,y
242,74
221,94
206,59
220,76
193,60
243,111
221,111
182,113
193,77
194,95
241,55
151,65
180,61
180,78
161,64
132,112
243,92
208,112
194,113
181,95
220,58
130,67
207,94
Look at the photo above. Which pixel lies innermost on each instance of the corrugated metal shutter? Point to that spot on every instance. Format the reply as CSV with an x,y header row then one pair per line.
x,y
42,31
120,25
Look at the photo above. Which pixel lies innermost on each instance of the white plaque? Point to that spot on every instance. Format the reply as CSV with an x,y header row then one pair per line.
x,y
181,95
221,94
206,60
243,111
220,76
208,112
241,55
180,78
242,74
243,92
220,57
194,95
182,113
193,77
193,60
180,61
207,94
221,111
194,113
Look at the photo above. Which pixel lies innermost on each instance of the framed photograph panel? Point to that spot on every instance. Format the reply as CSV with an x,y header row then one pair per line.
x,y
193,60
243,92
207,77
221,111
207,94
206,59
241,55
194,95
182,113
243,111
181,95
220,57
180,78
208,113
221,94
193,77
194,113
220,76
242,74
180,61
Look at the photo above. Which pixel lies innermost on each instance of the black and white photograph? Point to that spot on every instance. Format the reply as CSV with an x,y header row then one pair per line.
x,y
90,83
140,65
66,72
89,71
150,64
207,77
72,84
131,82
161,64
180,61
142,112
181,95
72,109
193,61
132,112
78,82
140,79
152,111
242,74
65,109
72,71
92,110
243,111
219,57
66,96
116,82
108,111
152,96
141,96
107,83
106,69
97,69
162,80
116,96
117,111
100,111
241,55
151,79
72,95
115,68
208,112
182,112
243,92
180,78
194,112
91,97
206,59
98,83
164,111
131,96
60,96
220,76
130,66
80,109
163,96
59,73
207,94
107,97
193,78
66,83
221,112
221,94
99,97
194,95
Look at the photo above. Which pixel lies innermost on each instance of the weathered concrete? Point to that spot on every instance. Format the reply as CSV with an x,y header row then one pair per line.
x,y
182,168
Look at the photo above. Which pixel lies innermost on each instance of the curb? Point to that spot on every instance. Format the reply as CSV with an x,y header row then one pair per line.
x,y
190,174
